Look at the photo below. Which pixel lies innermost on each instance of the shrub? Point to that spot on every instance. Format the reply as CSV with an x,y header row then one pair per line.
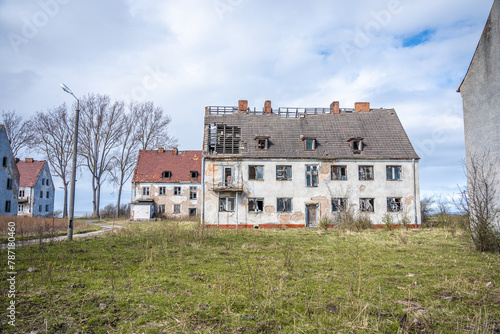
x,y
325,222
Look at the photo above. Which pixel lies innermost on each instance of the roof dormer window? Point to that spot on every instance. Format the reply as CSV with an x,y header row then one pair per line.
x,y
194,174
356,145
309,143
166,174
262,143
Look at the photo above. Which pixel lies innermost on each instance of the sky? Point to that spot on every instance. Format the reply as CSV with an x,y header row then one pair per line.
x,y
184,55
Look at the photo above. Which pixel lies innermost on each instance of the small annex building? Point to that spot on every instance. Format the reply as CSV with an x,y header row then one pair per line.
x,y
292,166
9,176
166,183
36,189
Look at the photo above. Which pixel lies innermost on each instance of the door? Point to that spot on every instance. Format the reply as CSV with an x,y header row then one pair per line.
x,y
311,218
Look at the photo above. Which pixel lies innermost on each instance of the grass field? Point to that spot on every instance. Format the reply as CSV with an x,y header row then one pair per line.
x,y
176,278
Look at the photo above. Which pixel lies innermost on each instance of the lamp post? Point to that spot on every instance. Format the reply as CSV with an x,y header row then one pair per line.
x,y
73,167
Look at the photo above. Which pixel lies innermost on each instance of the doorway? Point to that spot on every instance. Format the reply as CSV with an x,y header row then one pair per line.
x,y
311,215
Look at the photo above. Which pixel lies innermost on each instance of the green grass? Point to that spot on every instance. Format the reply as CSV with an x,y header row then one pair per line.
x,y
176,278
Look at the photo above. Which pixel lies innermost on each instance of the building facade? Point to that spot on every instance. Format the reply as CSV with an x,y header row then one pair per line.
x,y
481,102
36,189
9,177
291,167
166,183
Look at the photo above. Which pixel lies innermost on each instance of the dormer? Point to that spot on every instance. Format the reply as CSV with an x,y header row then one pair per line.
x,y
310,143
356,144
166,174
262,143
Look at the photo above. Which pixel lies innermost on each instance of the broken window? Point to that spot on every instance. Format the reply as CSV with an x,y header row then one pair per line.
x,y
4,162
356,145
194,174
228,176
223,139
393,173
21,193
177,208
284,205
366,172
166,174
161,208
393,204
226,204
193,193
177,191
162,190
312,175
262,142
256,172
9,184
283,173
339,204
193,212
145,191
339,173
255,204
7,206
367,204
47,208
20,208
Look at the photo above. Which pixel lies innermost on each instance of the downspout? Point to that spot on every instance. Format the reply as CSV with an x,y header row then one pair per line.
x,y
202,192
415,193
218,208
237,197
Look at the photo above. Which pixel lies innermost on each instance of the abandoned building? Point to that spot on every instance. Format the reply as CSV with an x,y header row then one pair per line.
x,y
36,189
9,177
166,183
481,101
292,166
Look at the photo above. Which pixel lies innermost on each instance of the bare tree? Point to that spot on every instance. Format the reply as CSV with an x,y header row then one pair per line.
x,y
100,133
479,202
152,130
20,132
125,156
426,208
53,131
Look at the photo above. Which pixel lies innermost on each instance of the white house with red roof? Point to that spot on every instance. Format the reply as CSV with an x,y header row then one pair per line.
x,y
166,183
9,176
36,189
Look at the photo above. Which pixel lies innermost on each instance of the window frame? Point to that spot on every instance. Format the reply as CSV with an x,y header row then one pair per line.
x,y
176,209
255,207
21,193
285,167
285,202
4,161
166,174
162,190
312,174
227,200
371,173
47,195
313,144
334,176
145,190
256,173
177,191
193,193
47,207
364,208
41,194
262,144
194,174
8,206
398,204
190,210
335,204
161,209
9,184
390,172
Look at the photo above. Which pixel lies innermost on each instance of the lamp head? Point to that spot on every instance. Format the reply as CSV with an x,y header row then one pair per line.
x,y
66,89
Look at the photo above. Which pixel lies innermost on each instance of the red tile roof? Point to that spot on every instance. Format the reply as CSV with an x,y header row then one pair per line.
x,y
152,164
29,171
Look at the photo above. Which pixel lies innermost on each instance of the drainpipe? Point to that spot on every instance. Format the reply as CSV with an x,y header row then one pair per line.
x,y
415,193
237,197
202,192
218,209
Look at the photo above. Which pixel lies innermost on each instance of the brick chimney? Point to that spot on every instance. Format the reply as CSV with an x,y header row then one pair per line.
x,y
267,107
242,105
362,106
161,150
28,160
175,151
335,107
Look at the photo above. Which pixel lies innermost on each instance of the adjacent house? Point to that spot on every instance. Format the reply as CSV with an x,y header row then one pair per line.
x,y
292,166
9,176
36,189
481,104
166,183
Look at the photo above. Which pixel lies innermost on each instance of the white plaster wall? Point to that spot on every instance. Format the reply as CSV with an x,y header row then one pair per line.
x,y
270,189
7,172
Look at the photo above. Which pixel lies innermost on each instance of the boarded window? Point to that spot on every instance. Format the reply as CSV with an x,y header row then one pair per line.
x,y
193,193
393,204
162,190
339,204
283,173
366,172
367,205
312,176
224,139
339,173
226,204
177,191
393,173
256,172
255,204
177,208
284,205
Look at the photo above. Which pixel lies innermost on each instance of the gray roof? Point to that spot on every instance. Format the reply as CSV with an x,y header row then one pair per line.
x,y
382,133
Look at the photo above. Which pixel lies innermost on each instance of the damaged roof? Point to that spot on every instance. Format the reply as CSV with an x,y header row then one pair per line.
x,y
151,164
29,171
381,131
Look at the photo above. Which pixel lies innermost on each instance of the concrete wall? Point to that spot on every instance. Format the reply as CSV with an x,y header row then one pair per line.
x,y
169,199
9,171
35,205
270,189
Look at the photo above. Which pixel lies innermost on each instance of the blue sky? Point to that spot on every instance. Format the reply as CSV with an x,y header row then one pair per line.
x,y
184,55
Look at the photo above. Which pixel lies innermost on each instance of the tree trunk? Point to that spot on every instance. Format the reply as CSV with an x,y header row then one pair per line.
x,y
65,205
94,207
118,201
98,198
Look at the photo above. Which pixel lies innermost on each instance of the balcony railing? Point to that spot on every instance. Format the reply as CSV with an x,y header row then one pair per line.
x,y
229,185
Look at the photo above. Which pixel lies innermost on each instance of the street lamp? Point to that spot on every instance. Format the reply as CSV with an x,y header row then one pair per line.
x,y
73,167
